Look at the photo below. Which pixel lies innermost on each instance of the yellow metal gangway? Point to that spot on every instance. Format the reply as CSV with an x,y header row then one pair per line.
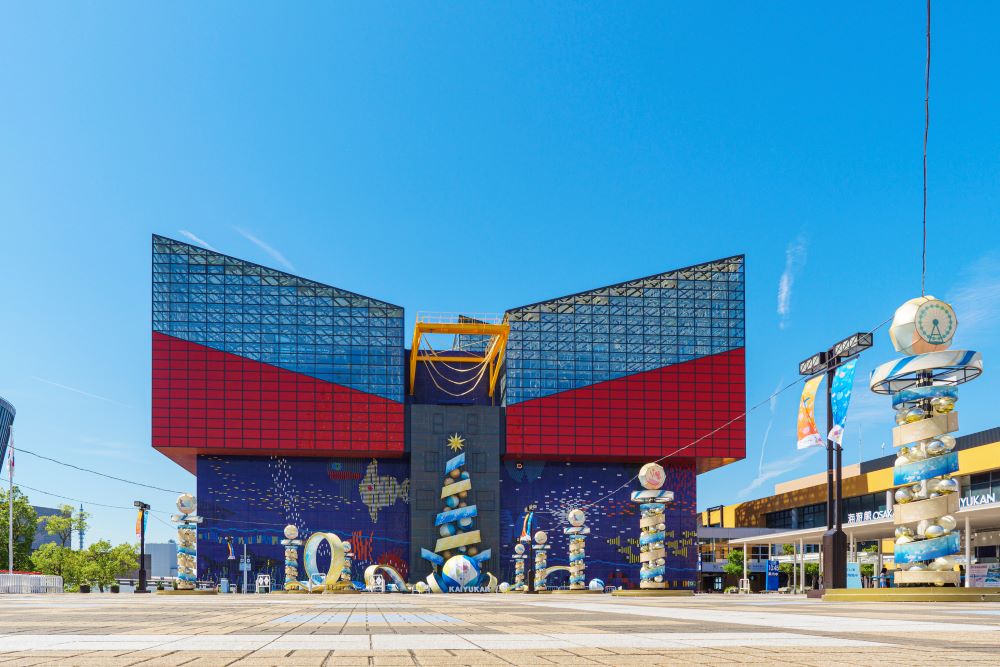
x,y
492,325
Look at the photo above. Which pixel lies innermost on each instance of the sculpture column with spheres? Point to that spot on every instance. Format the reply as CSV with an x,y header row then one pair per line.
x,y
652,524
519,558
541,558
577,534
292,544
923,387
187,541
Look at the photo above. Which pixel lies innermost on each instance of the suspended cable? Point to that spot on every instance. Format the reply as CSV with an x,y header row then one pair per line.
x,y
95,472
76,500
699,439
927,127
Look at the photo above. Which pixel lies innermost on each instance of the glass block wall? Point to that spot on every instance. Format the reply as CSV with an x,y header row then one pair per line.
x,y
246,357
634,369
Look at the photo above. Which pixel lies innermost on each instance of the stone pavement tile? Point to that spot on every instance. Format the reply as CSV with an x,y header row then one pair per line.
x,y
394,661
144,659
353,661
275,660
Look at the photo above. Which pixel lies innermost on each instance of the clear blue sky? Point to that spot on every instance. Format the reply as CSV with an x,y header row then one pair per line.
x,y
465,156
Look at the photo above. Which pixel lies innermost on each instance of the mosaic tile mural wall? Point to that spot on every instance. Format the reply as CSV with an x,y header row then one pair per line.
x,y
612,547
251,499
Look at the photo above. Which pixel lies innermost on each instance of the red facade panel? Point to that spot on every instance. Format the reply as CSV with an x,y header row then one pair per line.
x,y
211,402
640,417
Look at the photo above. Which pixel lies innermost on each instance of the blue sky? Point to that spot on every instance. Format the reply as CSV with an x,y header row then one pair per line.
x,y
470,157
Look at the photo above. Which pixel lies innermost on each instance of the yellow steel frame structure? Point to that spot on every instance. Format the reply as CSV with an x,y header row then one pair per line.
x,y
494,351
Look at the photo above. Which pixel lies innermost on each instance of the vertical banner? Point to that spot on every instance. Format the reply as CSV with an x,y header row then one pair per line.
x,y
854,575
840,397
773,569
140,523
808,434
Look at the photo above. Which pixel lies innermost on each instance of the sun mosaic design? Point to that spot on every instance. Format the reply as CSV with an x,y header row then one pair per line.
x,y
613,547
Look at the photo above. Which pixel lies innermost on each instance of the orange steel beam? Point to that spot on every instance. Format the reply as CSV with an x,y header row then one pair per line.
x,y
493,356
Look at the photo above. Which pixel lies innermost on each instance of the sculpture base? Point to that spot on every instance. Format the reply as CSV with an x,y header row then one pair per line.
x,y
927,578
296,591
189,591
342,591
913,594
577,591
652,592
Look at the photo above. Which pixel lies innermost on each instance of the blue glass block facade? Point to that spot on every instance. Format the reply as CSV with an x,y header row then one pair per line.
x,y
6,421
276,318
623,329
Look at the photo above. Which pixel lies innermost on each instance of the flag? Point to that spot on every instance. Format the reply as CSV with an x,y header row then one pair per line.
x,y
140,524
840,397
526,528
232,556
807,432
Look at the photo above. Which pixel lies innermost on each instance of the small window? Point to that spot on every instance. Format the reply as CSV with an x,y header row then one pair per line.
x,y
432,461
472,424
437,423
486,501
425,499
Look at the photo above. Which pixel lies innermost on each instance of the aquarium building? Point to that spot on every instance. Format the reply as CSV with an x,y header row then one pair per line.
x,y
293,401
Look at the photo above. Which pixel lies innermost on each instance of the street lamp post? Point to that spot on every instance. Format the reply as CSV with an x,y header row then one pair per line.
x,y
143,508
834,539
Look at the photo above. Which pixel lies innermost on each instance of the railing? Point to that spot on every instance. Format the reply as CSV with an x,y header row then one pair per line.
x,y
457,318
30,583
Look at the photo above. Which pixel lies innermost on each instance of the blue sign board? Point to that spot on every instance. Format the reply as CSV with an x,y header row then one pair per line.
x,y
854,575
772,575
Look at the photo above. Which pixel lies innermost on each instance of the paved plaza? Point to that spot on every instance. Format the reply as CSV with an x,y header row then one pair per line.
x,y
371,629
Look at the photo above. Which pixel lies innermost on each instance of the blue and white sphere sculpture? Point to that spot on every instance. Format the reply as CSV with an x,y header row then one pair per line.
x,y
459,572
596,585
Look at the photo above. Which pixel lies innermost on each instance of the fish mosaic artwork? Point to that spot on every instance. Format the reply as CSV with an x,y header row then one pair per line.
x,y
381,491
252,499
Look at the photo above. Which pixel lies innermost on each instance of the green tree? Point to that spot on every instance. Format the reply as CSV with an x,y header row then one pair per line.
x,y
788,549
64,523
52,558
102,563
25,523
812,572
734,563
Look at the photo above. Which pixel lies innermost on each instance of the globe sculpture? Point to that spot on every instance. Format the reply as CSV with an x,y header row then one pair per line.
x,y
187,541
652,525
460,572
541,559
596,585
292,544
577,535
519,557
504,587
924,391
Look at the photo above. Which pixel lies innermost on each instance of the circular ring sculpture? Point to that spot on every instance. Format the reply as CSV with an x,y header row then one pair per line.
x,y
948,367
314,578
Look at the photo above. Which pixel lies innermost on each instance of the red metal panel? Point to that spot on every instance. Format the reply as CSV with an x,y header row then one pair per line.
x,y
640,417
211,402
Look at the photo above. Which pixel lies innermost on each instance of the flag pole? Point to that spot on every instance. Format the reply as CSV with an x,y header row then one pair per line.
x,y
10,507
